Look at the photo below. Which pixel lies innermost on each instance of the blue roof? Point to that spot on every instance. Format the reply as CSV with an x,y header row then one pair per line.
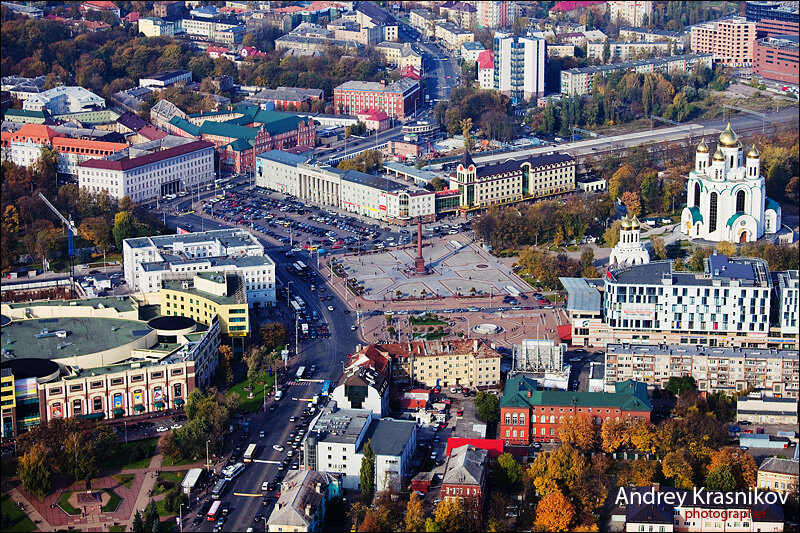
x,y
286,158
721,266
696,216
733,218
772,205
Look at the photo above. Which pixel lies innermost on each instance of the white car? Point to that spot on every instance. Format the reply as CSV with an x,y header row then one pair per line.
x,y
264,485
278,447
454,390
177,426
352,328
290,453
330,308
161,429
296,249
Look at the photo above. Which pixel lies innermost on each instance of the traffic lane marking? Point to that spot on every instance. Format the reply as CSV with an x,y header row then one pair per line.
x,y
249,495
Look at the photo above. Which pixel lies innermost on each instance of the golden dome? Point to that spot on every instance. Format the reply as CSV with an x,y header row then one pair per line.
x,y
729,139
702,148
635,223
753,152
626,223
718,155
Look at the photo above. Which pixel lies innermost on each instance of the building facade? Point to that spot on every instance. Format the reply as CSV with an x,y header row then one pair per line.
x,y
729,370
729,40
151,170
452,36
155,27
400,55
486,69
513,180
759,408
530,415
303,502
365,383
465,476
629,250
494,14
397,99
726,194
626,51
778,474
777,59
519,66
206,296
61,100
636,12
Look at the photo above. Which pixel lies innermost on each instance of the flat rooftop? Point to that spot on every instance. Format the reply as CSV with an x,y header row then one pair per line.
x,y
343,426
84,336
121,304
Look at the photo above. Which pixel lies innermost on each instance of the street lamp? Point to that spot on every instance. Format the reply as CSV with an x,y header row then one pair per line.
x,y
208,462
180,517
288,297
126,430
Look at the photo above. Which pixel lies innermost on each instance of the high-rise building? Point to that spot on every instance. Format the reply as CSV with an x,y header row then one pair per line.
x,y
519,66
783,11
638,12
730,40
495,14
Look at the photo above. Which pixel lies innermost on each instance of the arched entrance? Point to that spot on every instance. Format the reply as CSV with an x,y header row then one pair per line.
x,y
743,237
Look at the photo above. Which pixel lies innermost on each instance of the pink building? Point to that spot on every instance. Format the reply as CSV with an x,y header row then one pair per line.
x,y
374,119
729,40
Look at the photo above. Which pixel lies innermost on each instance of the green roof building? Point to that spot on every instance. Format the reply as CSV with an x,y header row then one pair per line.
x,y
528,414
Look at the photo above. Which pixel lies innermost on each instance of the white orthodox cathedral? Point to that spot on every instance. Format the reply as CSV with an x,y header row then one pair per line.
x,y
726,196
629,250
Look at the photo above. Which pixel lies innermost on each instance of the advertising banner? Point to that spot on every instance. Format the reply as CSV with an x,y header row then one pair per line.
x,y
639,311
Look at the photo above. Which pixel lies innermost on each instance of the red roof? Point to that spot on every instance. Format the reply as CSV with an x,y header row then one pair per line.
x,y
494,446
420,391
373,114
409,403
486,60
127,164
564,7
410,71
133,16
152,133
101,5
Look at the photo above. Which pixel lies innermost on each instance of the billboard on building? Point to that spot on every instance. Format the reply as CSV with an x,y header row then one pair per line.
x,y
638,311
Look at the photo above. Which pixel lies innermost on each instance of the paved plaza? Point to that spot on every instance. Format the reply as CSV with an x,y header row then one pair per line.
x,y
455,267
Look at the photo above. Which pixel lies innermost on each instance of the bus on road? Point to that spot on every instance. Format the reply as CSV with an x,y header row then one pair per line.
x,y
232,471
212,512
219,488
249,453
302,266
300,372
295,306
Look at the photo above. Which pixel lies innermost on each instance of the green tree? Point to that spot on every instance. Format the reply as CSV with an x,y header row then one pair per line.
x,y
721,478
124,227
647,95
367,473
34,470
611,235
487,406
510,469
152,523
432,526
138,523
606,51
697,260
78,458
679,385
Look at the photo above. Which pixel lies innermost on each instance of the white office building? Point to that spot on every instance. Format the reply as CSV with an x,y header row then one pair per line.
x,y
62,100
788,295
335,444
149,260
519,66
151,170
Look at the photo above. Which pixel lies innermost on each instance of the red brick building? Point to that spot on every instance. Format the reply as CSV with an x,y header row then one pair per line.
x,y
771,28
465,476
776,58
530,415
397,99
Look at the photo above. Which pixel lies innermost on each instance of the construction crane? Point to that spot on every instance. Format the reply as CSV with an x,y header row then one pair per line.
x,y
71,231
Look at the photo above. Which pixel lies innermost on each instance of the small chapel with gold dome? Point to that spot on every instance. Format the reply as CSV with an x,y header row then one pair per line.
x,y
726,196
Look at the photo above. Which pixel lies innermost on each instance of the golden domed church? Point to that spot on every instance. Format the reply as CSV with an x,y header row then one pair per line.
x,y
630,249
726,196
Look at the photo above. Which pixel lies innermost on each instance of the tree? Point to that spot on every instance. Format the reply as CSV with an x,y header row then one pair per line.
x,y
720,478
96,230
641,435
742,466
124,227
554,512
138,523
152,523
225,366
726,248
487,406
697,260
273,334
633,202
510,469
450,515
415,514
577,430
466,128
677,467
659,250
679,385
611,234
432,526
587,267
367,474
613,434
78,459
34,471
606,51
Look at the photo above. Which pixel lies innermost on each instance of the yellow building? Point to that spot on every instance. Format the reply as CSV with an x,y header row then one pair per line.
x,y
779,475
465,363
206,295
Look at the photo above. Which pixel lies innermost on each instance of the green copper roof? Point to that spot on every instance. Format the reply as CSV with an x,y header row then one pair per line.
x,y
629,396
733,218
185,125
696,216
772,205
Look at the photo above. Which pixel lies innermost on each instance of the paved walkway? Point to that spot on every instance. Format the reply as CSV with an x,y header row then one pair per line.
x,y
48,516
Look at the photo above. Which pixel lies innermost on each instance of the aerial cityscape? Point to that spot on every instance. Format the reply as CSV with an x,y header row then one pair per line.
x,y
415,266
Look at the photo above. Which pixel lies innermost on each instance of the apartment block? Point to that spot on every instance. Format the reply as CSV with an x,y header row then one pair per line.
x,y
519,66
729,40
625,51
777,59
452,36
397,99
636,12
730,370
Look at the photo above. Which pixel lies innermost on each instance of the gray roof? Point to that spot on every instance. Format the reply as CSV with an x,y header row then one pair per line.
x,y
389,437
581,295
658,61
414,172
286,158
376,182
229,237
473,45
687,350
748,272
298,489
343,426
515,164
780,466
466,466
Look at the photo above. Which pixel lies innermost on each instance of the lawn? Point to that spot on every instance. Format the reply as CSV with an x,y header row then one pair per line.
x,y
163,487
135,454
175,477
161,510
169,461
118,529
125,480
427,319
17,519
251,405
113,502
64,504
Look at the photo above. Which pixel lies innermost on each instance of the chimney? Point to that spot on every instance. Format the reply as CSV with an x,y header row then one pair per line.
x,y
318,486
656,487
383,83
308,509
529,394
475,345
